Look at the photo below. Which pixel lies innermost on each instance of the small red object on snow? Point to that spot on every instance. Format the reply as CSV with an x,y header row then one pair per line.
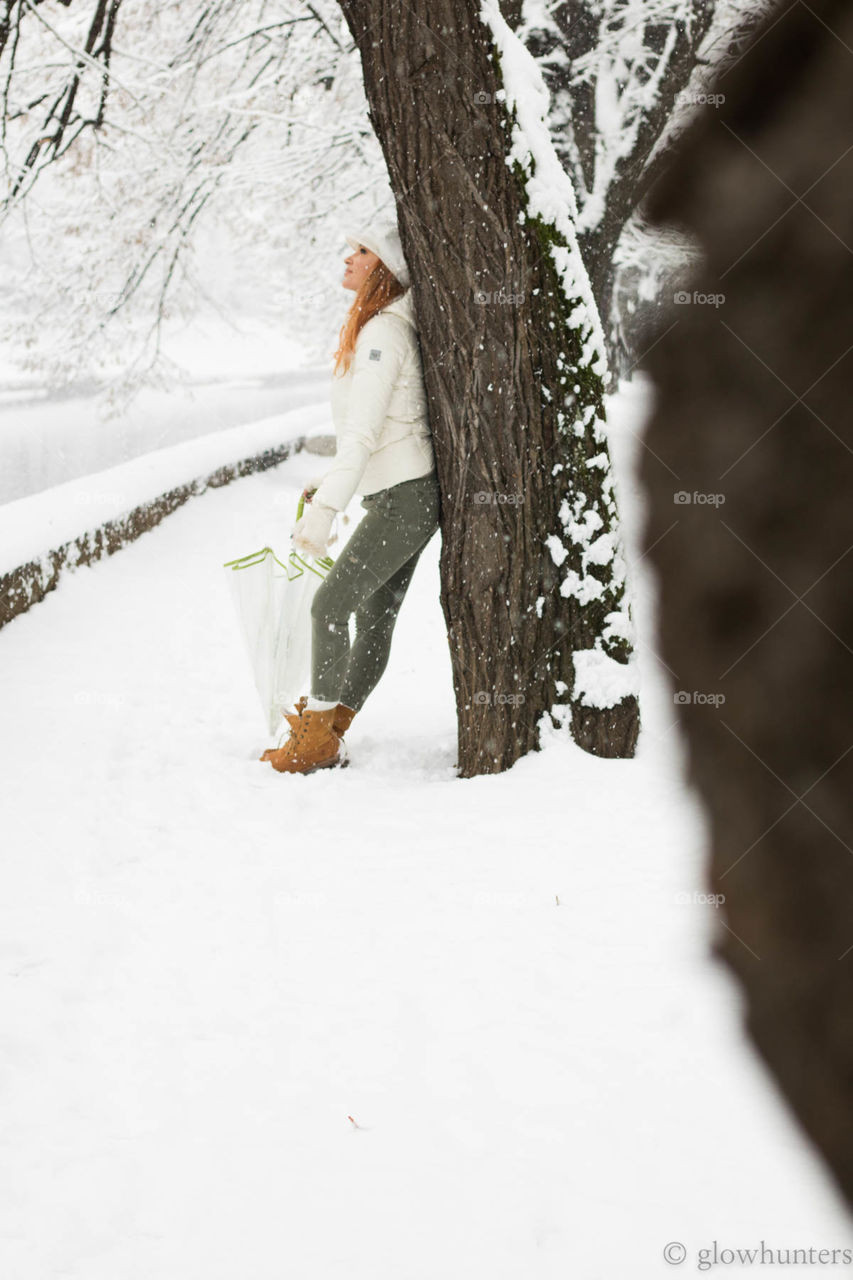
x,y
352,1122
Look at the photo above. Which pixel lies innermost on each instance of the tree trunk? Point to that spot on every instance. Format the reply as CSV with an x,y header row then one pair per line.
x,y
752,437
514,386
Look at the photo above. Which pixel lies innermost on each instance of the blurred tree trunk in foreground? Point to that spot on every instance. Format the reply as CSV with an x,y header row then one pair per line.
x,y
749,471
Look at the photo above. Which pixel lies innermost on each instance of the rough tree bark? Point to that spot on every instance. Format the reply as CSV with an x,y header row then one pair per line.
x,y
508,370
756,596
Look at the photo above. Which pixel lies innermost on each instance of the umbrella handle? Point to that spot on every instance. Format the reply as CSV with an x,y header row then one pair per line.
x,y
301,504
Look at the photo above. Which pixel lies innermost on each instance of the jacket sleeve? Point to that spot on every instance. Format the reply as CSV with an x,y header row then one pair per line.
x,y
380,350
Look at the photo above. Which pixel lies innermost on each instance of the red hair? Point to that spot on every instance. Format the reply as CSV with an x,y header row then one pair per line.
x,y
379,288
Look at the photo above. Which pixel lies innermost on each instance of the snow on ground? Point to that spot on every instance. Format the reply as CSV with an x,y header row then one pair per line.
x,y
377,1022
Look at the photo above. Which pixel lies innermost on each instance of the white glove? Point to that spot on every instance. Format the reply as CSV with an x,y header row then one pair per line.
x,y
312,485
310,534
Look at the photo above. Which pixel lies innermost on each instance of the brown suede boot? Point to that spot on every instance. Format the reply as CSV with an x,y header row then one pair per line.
x,y
292,717
344,716
313,744
343,719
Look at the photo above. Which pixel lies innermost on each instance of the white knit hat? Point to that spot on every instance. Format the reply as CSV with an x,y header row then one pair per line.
x,y
383,239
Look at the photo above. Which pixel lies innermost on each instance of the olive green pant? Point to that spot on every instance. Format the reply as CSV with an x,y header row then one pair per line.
x,y
369,579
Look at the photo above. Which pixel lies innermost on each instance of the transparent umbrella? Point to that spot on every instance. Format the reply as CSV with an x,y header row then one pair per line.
x,y
273,599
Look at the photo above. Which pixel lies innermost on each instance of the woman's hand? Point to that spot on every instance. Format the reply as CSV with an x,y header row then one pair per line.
x,y
312,485
310,534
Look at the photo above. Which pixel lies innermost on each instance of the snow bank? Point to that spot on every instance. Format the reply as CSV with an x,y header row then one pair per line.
x,y
83,520
50,435
32,526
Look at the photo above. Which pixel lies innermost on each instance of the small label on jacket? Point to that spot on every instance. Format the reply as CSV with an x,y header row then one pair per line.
x,y
374,354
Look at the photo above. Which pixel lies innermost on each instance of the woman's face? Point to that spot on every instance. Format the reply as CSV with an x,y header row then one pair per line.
x,y
360,263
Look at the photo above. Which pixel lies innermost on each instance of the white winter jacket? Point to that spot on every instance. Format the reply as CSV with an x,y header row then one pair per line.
x,y
379,410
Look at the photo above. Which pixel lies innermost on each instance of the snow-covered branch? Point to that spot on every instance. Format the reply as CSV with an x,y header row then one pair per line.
x,y
160,158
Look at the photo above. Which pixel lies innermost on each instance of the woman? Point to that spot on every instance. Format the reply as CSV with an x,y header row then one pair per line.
x,y
384,453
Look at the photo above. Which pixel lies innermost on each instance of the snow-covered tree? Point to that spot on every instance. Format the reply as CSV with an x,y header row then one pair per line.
x,y
163,157
532,574
211,157
626,77
209,150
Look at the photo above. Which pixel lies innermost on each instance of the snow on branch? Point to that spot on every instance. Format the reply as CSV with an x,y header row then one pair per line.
x,y
163,163
587,546
550,194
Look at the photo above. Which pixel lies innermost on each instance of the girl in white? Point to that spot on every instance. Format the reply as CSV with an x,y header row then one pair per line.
x,y
385,453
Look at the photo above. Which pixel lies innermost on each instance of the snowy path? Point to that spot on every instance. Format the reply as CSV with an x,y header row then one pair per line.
x,y
207,968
